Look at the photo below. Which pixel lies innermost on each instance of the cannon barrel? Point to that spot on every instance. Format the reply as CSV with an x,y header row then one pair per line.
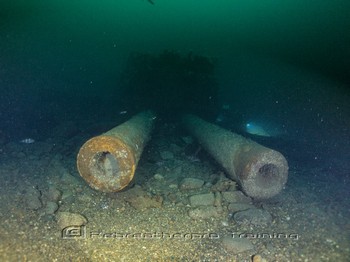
x,y
260,171
108,162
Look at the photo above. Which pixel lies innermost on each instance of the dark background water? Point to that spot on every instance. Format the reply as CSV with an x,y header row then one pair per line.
x,y
285,62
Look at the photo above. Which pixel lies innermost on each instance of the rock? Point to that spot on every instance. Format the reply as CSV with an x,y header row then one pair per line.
x,y
224,184
191,183
253,216
158,177
68,179
173,186
173,198
65,219
139,199
202,200
144,202
50,208
175,148
235,207
166,155
20,155
53,194
258,258
218,199
32,198
177,171
205,212
236,196
236,245
67,194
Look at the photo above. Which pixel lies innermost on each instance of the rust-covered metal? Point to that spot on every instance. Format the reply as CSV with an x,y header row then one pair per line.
x,y
108,162
260,171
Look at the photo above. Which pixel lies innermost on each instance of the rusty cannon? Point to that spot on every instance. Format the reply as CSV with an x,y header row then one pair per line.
x,y
260,171
108,162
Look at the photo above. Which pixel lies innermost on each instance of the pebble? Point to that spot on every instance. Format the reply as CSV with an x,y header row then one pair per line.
x,y
191,183
140,200
32,198
236,245
253,216
205,212
258,258
218,199
235,207
224,184
53,194
65,219
202,200
236,196
68,179
158,177
50,208
173,186
143,202
166,155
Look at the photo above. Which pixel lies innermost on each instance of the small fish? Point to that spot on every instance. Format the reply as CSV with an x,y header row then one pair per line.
x,y
151,2
27,141
123,112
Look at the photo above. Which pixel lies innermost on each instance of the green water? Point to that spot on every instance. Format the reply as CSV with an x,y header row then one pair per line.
x,y
95,35
272,56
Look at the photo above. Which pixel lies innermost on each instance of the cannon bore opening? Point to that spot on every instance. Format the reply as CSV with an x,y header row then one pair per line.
x,y
105,166
267,175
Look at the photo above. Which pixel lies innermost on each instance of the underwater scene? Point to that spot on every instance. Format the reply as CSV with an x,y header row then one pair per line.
x,y
163,130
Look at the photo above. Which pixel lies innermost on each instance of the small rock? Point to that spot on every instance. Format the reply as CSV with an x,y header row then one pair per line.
x,y
253,216
258,258
236,196
65,219
145,202
175,148
21,155
173,186
224,184
236,245
32,198
166,155
50,208
68,179
205,212
158,177
53,194
191,183
172,198
139,199
235,207
66,194
177,171
218,199
202,200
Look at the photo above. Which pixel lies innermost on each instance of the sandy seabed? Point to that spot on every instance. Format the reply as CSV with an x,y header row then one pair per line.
x,y
151,221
